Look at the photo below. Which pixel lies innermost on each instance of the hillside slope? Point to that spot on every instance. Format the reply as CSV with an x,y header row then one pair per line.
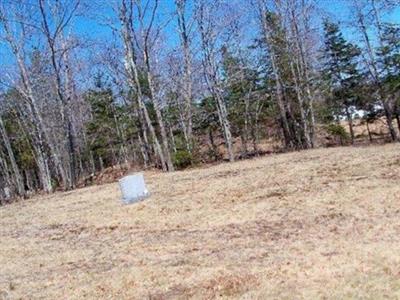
x,y
312,224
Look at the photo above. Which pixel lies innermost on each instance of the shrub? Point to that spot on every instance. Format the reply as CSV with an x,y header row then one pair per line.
x,y
337,130
182,159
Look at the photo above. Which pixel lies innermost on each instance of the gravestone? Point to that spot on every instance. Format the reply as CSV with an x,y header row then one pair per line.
x,y
133,188
7,193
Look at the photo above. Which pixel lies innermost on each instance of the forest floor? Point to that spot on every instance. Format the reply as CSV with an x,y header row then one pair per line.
x,y
323,223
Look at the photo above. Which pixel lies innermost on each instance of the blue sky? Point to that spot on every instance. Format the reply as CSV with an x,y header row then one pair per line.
x,y
337,10
89,27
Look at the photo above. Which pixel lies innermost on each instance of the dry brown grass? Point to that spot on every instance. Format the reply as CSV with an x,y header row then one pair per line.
x,y
378,129
308,225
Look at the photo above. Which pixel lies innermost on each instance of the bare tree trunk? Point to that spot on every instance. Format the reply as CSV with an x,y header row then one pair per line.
x,y
40,136
39,141
223,119
19,182
144,152
29,181
142,136
275,69
71,129
372,64
246,121
91,155
293,56
171,134
213,146
312,125
126,15
206,28
160,120
389,119
307,68
282,109
145,33
187,73
301,77
350,121
369,132
244,144
304,123
145,142
5,180
101,163
64,95
398,121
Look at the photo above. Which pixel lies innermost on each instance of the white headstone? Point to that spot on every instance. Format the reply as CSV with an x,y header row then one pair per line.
x,y
7,192
133,188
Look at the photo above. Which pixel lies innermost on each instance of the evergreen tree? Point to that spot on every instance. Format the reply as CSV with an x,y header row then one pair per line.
x,y
207,123
103,128
241,85
341,72
389,65
292,93
389,58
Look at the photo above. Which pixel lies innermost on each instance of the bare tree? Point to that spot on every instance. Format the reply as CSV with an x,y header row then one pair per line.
x,y
53,27
186,84
208,33
19,182
261,6
300,39
41,141
145,12
373,12
126,15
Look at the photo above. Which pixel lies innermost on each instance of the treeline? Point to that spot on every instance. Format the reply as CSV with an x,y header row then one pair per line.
x,y
164,83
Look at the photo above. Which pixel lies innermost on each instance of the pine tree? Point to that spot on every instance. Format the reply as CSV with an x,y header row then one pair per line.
x,y
241,85
207,122
388,56
103,129
289,93
341,72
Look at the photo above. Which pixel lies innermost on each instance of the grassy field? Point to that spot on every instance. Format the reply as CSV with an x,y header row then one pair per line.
x,y
319,224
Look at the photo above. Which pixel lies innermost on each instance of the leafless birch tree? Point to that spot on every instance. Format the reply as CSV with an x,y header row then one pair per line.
x,y
208,30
